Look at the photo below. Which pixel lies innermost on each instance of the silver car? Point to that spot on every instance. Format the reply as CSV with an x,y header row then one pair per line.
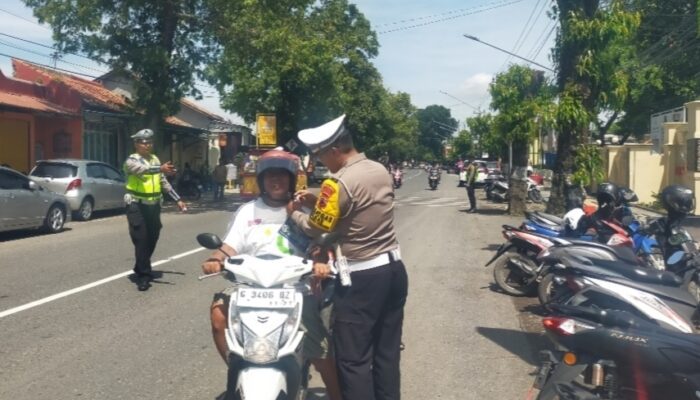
x,y
24,204
88,185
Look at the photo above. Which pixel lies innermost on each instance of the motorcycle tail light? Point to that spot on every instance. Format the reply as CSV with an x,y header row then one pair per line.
x,y
563,326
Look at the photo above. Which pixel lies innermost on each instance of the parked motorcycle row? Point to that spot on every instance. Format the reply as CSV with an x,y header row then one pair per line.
x,y
621,297
497,188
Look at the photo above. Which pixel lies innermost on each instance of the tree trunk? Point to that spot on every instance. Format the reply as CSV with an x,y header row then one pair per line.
x,y
570,135
518,179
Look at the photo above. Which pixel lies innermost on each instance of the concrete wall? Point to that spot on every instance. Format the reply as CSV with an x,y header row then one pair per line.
x,y
646,172
49,142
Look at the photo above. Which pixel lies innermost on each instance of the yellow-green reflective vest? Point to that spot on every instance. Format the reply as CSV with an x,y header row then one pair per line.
x,y
146,186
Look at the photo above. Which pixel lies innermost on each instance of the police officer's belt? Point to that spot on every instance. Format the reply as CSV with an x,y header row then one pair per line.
x,y
147,201
378,261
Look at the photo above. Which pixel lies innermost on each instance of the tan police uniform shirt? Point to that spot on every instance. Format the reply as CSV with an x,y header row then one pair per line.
x,y
366,199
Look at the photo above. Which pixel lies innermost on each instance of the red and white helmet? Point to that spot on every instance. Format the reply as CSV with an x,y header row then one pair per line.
x,y
278,159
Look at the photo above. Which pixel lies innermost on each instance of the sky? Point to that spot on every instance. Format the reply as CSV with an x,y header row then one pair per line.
x,y
422,48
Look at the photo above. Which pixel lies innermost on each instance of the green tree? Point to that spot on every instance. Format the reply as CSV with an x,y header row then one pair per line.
x,y
483,137
667,48
402,128
436,126
462,145
306,61
591,75
519,96
164,43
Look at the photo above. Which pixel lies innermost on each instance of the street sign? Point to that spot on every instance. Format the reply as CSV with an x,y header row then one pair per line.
x,y
291,144
266,127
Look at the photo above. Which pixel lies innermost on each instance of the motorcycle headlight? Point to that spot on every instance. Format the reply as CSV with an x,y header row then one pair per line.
x,y
260,350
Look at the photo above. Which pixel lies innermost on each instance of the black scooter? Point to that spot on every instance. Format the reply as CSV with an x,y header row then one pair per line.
x,y
599,276
605,354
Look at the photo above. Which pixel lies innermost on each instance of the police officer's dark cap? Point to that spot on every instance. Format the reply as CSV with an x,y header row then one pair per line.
x,y
319,138
143,135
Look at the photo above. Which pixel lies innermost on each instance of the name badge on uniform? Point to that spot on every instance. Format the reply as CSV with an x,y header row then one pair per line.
x,y
327,210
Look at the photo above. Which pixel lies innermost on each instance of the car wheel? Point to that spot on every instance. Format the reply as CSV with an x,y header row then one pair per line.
x,y
55,219
85,210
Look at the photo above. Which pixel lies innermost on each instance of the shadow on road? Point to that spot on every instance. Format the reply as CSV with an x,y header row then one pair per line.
x,y
27,233
525,345
313,394
203,205
486,211
491,247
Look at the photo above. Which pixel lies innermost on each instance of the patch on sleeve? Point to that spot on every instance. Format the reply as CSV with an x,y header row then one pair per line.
x,y
327,210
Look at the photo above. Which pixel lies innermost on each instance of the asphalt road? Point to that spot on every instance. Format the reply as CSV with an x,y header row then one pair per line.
x,y
102,339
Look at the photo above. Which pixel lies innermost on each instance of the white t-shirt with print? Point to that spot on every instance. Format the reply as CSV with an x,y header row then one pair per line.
x,y
254,230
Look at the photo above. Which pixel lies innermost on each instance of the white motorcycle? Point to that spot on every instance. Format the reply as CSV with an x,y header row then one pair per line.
x,y
264,317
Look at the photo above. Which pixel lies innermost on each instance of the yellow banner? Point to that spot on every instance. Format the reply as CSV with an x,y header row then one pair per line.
x,y
266,127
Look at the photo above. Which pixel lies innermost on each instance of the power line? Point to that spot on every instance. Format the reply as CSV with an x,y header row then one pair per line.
x,y
544,42
506,51
460,100
403,21
522,32
497,5
23,18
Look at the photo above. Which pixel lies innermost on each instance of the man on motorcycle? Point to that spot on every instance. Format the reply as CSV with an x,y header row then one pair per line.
x,y
254,230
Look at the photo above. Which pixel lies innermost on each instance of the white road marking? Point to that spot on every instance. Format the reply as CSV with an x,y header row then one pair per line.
x,y
89,285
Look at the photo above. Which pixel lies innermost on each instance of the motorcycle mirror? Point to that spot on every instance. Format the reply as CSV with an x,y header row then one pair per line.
x,y
209,241
675,258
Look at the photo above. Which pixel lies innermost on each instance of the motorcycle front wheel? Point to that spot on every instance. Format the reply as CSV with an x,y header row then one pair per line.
x,y
511,278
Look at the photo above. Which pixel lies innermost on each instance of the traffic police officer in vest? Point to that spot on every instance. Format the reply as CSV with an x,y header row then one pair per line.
x,y
357,202
145,182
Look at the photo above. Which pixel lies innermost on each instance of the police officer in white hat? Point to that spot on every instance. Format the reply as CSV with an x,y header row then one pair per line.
x,y
145,184
368,315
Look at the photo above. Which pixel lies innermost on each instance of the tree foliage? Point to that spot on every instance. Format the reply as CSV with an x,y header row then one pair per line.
x,y
306,61
667,47
163,43
436,126
482,135
518,95
594,73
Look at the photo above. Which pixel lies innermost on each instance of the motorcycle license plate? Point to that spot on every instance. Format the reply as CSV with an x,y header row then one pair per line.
x,y
265,298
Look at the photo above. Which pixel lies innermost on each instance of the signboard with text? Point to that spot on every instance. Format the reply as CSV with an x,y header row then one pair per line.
x,y
266,129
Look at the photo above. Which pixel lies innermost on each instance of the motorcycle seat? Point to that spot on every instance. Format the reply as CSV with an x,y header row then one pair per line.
x,y
548,218
639,274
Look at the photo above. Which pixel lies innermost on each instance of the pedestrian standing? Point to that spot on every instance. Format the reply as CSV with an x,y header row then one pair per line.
x,y
145,182
231,172
219,176
470,183
368,315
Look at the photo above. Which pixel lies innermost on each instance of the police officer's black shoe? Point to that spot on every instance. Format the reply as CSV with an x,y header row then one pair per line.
x,y
471,210
142,283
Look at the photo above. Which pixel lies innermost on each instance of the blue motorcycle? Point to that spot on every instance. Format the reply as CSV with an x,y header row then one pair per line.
x,y
645,244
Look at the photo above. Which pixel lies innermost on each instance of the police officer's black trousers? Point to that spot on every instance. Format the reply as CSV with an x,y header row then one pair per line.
x,y
144,229
472,197
367,332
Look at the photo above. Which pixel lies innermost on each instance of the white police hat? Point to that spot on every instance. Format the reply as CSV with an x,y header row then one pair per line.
x,y
143,134
316,139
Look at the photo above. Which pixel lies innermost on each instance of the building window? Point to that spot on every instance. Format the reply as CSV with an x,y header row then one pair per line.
x,y
62,145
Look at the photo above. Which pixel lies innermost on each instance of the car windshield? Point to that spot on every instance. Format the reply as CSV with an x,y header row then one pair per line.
x,y
54,170
492,165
